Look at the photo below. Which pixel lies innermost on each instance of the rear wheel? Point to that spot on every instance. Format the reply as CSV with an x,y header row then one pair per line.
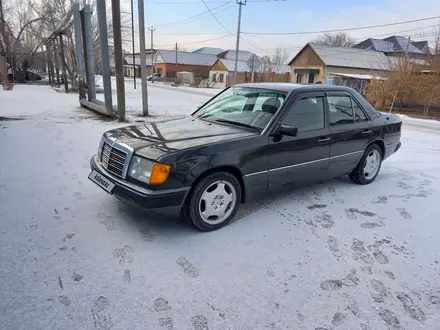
x,y
214,201
369,166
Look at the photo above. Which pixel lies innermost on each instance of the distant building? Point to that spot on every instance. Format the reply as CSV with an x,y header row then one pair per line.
x,y
317,63
397,46
168,62
222,72
208,50
134,68
229,54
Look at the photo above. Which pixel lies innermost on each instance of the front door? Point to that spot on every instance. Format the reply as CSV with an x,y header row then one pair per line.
x,y
301,159
351,132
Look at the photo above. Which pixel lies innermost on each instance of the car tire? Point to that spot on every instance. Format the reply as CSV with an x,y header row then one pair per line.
x,y
369,166
214,201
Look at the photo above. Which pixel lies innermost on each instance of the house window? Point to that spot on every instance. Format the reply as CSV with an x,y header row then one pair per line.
x,y
221,77
299,78
214,76
159,70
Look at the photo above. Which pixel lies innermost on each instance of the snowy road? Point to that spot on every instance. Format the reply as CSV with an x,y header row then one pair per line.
x,y
329,256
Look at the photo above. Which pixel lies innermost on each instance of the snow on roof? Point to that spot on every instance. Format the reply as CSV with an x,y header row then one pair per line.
x,y
229,54
241,65
129,60
358,76
351,57
208,50
169,56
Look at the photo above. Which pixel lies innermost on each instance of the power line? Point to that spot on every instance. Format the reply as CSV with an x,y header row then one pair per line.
x,y
192,17
224,27
197,42
224,2
342,30
298,47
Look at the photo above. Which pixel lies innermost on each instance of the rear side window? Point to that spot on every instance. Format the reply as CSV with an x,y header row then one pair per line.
x,y
359,115
340,110
372,113
306,114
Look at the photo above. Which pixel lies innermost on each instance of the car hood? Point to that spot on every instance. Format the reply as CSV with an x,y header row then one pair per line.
x,y
153,140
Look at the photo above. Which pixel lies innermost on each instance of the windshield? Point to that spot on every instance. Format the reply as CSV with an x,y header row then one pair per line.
x,y
241,106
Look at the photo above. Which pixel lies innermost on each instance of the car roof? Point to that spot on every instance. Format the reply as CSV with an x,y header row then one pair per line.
x,y
288,87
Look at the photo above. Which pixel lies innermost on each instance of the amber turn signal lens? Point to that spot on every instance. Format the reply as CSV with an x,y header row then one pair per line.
x,y
159,173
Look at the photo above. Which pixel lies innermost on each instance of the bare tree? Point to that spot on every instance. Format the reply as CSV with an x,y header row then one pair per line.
x,y
270,63
340,39
21,32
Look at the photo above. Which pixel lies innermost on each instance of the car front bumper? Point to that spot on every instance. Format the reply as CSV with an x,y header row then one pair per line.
x,y
166,202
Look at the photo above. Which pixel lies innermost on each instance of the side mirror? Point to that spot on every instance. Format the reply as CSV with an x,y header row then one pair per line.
x,y
288,130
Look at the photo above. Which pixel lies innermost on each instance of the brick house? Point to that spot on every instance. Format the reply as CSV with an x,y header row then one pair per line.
x,y
168,62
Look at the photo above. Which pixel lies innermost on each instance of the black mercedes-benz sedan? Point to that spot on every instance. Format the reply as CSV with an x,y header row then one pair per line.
x,y
248,140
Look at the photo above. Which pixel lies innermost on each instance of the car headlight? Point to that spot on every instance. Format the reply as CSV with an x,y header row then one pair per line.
x,y
147,171
101,143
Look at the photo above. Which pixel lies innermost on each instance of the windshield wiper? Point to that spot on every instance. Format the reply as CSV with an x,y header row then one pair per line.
x,y
236,123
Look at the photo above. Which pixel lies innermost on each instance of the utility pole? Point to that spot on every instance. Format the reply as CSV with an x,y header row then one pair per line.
x,y
117,40
141,15
253,68
176,63
152,29
3,65
132,46
237,46
105,56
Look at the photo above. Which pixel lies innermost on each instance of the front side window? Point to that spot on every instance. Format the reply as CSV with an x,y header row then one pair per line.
x,y
221,77
241,106
306,114
340,110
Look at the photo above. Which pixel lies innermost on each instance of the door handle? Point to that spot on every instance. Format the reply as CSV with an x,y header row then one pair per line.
x,y
323,139
367,131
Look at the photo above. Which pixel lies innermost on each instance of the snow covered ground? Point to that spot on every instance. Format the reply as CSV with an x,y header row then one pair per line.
x,y
329,256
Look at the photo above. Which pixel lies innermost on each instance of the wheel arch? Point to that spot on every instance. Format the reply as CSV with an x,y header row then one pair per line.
x,y
381,145
234,170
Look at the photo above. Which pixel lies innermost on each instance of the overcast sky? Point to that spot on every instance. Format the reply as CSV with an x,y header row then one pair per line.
x,y
268,16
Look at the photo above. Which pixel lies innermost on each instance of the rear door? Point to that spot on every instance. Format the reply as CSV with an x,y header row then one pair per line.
x,y
351,131
297,160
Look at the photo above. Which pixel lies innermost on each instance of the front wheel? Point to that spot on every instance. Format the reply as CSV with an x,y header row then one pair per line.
x,y
214,201
369,166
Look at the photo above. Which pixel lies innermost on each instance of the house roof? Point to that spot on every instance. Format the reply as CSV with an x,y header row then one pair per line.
x,y
403,44
243,67
208,50
129,60
137,61
348,57
189,58
394,44
229,54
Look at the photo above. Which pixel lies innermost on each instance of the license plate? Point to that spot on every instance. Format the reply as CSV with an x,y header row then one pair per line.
x,y
101,181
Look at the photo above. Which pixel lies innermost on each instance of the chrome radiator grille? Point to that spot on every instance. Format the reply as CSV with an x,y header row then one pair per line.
x,y
113,159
